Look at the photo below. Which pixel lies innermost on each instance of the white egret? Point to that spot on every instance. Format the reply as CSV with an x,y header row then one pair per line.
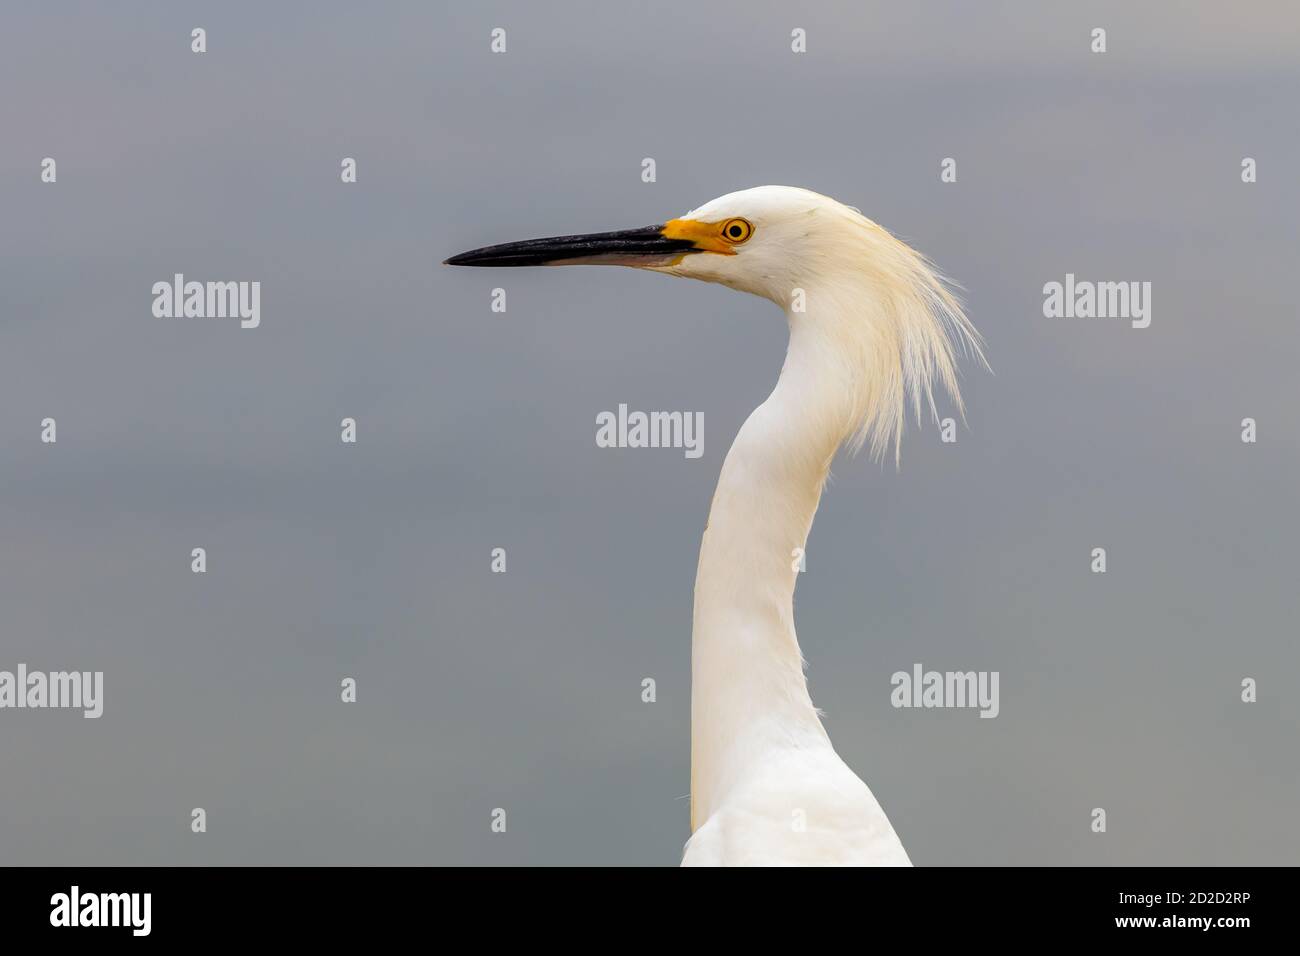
x,y
872,328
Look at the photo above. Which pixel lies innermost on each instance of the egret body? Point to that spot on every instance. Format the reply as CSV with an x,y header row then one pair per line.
x,y
872,330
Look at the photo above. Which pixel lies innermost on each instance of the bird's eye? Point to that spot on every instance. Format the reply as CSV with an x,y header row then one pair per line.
x,y
737,230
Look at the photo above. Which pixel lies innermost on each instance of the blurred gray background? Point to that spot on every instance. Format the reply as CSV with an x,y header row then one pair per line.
x,y
476,430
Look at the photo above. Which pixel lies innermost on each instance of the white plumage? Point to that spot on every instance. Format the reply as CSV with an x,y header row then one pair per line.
x,y
872,329
878,329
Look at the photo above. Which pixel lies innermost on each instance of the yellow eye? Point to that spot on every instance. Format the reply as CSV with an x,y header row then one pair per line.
x,y
737,231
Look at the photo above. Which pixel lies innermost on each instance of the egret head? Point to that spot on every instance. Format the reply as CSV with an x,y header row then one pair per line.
x,y
874,301
757,240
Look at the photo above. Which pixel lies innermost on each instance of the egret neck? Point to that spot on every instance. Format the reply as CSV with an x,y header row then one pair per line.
x,y
748,691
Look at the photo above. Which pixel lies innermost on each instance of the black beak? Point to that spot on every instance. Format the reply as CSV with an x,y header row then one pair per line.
x,y
647,246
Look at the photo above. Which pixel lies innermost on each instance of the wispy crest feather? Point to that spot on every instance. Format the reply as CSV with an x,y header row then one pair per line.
x,y
909,343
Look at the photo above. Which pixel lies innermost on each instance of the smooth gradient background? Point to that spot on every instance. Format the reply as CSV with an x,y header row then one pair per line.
x,y
477,430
